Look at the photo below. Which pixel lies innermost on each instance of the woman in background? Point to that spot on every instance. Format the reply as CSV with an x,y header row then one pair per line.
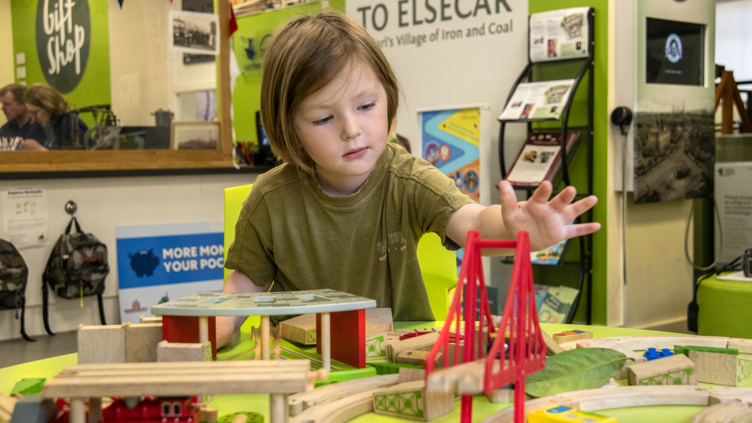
x,y
47,106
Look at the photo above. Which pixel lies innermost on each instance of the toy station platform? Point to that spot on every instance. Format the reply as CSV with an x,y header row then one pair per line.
x,y
191,319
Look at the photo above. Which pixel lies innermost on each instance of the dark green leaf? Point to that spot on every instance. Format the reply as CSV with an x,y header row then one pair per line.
x,y
575,370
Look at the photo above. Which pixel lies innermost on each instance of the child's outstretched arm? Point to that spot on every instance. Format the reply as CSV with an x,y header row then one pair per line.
x,y
227,325
545,221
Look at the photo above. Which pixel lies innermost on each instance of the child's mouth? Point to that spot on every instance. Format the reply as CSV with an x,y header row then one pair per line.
x,y
356,153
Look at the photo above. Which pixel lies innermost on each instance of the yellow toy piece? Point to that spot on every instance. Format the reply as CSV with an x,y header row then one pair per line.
x,y
564,414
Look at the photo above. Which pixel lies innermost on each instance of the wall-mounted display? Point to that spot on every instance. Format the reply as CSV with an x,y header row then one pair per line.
x,y
674,52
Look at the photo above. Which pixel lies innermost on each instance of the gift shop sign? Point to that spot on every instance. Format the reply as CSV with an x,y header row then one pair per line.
x,y
63,33
159,263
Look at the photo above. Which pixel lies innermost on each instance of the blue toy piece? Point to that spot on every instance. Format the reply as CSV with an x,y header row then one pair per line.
x,y
652,353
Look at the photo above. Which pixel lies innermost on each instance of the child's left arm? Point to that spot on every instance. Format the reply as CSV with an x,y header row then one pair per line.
x,y
545,221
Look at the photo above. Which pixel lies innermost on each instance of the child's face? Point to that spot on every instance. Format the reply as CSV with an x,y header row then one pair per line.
x,y
343,127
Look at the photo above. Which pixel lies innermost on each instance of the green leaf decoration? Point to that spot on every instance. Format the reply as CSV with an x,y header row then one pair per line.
x,y
575,370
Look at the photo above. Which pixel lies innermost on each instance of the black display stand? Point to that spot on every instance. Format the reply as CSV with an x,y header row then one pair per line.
x,y
586,242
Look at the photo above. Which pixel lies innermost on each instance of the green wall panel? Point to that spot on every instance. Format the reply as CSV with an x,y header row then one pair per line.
x,y
578,117
94,85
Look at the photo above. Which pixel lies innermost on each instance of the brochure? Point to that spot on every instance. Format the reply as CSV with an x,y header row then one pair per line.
x,y
552,255
559,34
556,306
539,159
538,100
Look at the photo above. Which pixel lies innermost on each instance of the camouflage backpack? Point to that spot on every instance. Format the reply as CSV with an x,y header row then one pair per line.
x,y
77,268
13,277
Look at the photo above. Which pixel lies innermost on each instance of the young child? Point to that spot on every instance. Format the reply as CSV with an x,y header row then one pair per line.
x,y
346,209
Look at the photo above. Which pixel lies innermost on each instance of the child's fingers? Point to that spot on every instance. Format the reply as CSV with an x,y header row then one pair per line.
x,y
542,194
508,198
562,200
571,212
581,229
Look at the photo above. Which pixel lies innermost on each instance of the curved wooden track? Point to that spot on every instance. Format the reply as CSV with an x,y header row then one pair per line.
x,y
640,396
735,411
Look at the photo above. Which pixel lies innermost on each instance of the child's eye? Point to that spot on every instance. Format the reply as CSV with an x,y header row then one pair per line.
x,y
367,106
322,121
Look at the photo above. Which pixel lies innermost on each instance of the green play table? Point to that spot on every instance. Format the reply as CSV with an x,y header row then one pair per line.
x,y
481,407
724,308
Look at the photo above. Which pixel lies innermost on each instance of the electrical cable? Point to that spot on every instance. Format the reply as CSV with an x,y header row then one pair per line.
x,y
720,235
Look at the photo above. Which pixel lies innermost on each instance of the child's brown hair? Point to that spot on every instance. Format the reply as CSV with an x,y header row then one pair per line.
x,y
303,56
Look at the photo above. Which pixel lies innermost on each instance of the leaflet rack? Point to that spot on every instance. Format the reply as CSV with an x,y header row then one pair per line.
x,y
586,136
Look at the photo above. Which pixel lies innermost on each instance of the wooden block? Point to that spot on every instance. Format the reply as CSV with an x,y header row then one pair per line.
x,y
417,358
722,369
170,352
184,329
375,346
415,343
6,407
743,345
407,374
101,344
141,341
674,370
379,320
209,415
150,319
301,329
551,346
500,395
348,337
410,400
570,336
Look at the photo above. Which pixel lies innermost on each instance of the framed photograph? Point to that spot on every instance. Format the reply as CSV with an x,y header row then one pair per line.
x,y
194,32
195,136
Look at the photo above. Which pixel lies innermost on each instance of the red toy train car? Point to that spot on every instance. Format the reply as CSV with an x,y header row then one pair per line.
x,y
148,410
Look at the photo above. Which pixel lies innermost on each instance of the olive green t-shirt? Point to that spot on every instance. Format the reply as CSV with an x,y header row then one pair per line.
x,y
291,232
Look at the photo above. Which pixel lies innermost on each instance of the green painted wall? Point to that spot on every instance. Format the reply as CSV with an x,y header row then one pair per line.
x,y
94,87
255,30
567,274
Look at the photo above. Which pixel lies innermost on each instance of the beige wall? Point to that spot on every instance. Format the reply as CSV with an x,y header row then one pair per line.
x,y
145,75
7,61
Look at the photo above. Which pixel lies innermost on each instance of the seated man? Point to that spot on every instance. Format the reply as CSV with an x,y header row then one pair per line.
x,y
19,123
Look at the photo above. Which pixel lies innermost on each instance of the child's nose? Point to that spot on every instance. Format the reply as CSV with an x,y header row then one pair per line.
x,y
350,129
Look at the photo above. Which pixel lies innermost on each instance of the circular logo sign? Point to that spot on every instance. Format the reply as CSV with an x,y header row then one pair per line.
x,y
673,48
63,41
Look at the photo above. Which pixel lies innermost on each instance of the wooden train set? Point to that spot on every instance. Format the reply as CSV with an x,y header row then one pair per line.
x,y
461,360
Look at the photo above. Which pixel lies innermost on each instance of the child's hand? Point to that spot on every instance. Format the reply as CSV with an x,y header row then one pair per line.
x,y
545,221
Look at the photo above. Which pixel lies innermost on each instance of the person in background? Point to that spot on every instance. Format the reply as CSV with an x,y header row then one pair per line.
x,y
19,127
64,130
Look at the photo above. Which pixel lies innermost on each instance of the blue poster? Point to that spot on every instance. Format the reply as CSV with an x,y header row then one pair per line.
x,y
162,262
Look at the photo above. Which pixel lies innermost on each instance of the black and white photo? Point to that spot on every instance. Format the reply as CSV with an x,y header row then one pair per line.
x,y
193,32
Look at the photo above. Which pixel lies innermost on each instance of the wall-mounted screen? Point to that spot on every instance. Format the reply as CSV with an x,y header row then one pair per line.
x,y
675,52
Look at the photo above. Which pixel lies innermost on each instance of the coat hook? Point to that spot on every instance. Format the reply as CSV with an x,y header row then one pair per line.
x,y
71,207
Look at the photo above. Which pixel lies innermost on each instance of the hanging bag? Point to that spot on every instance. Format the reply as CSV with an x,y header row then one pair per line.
x,y
14,275
77,268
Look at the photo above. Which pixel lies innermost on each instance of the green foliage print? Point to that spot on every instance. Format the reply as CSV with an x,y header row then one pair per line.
x,y
404,403
679,377
375,347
